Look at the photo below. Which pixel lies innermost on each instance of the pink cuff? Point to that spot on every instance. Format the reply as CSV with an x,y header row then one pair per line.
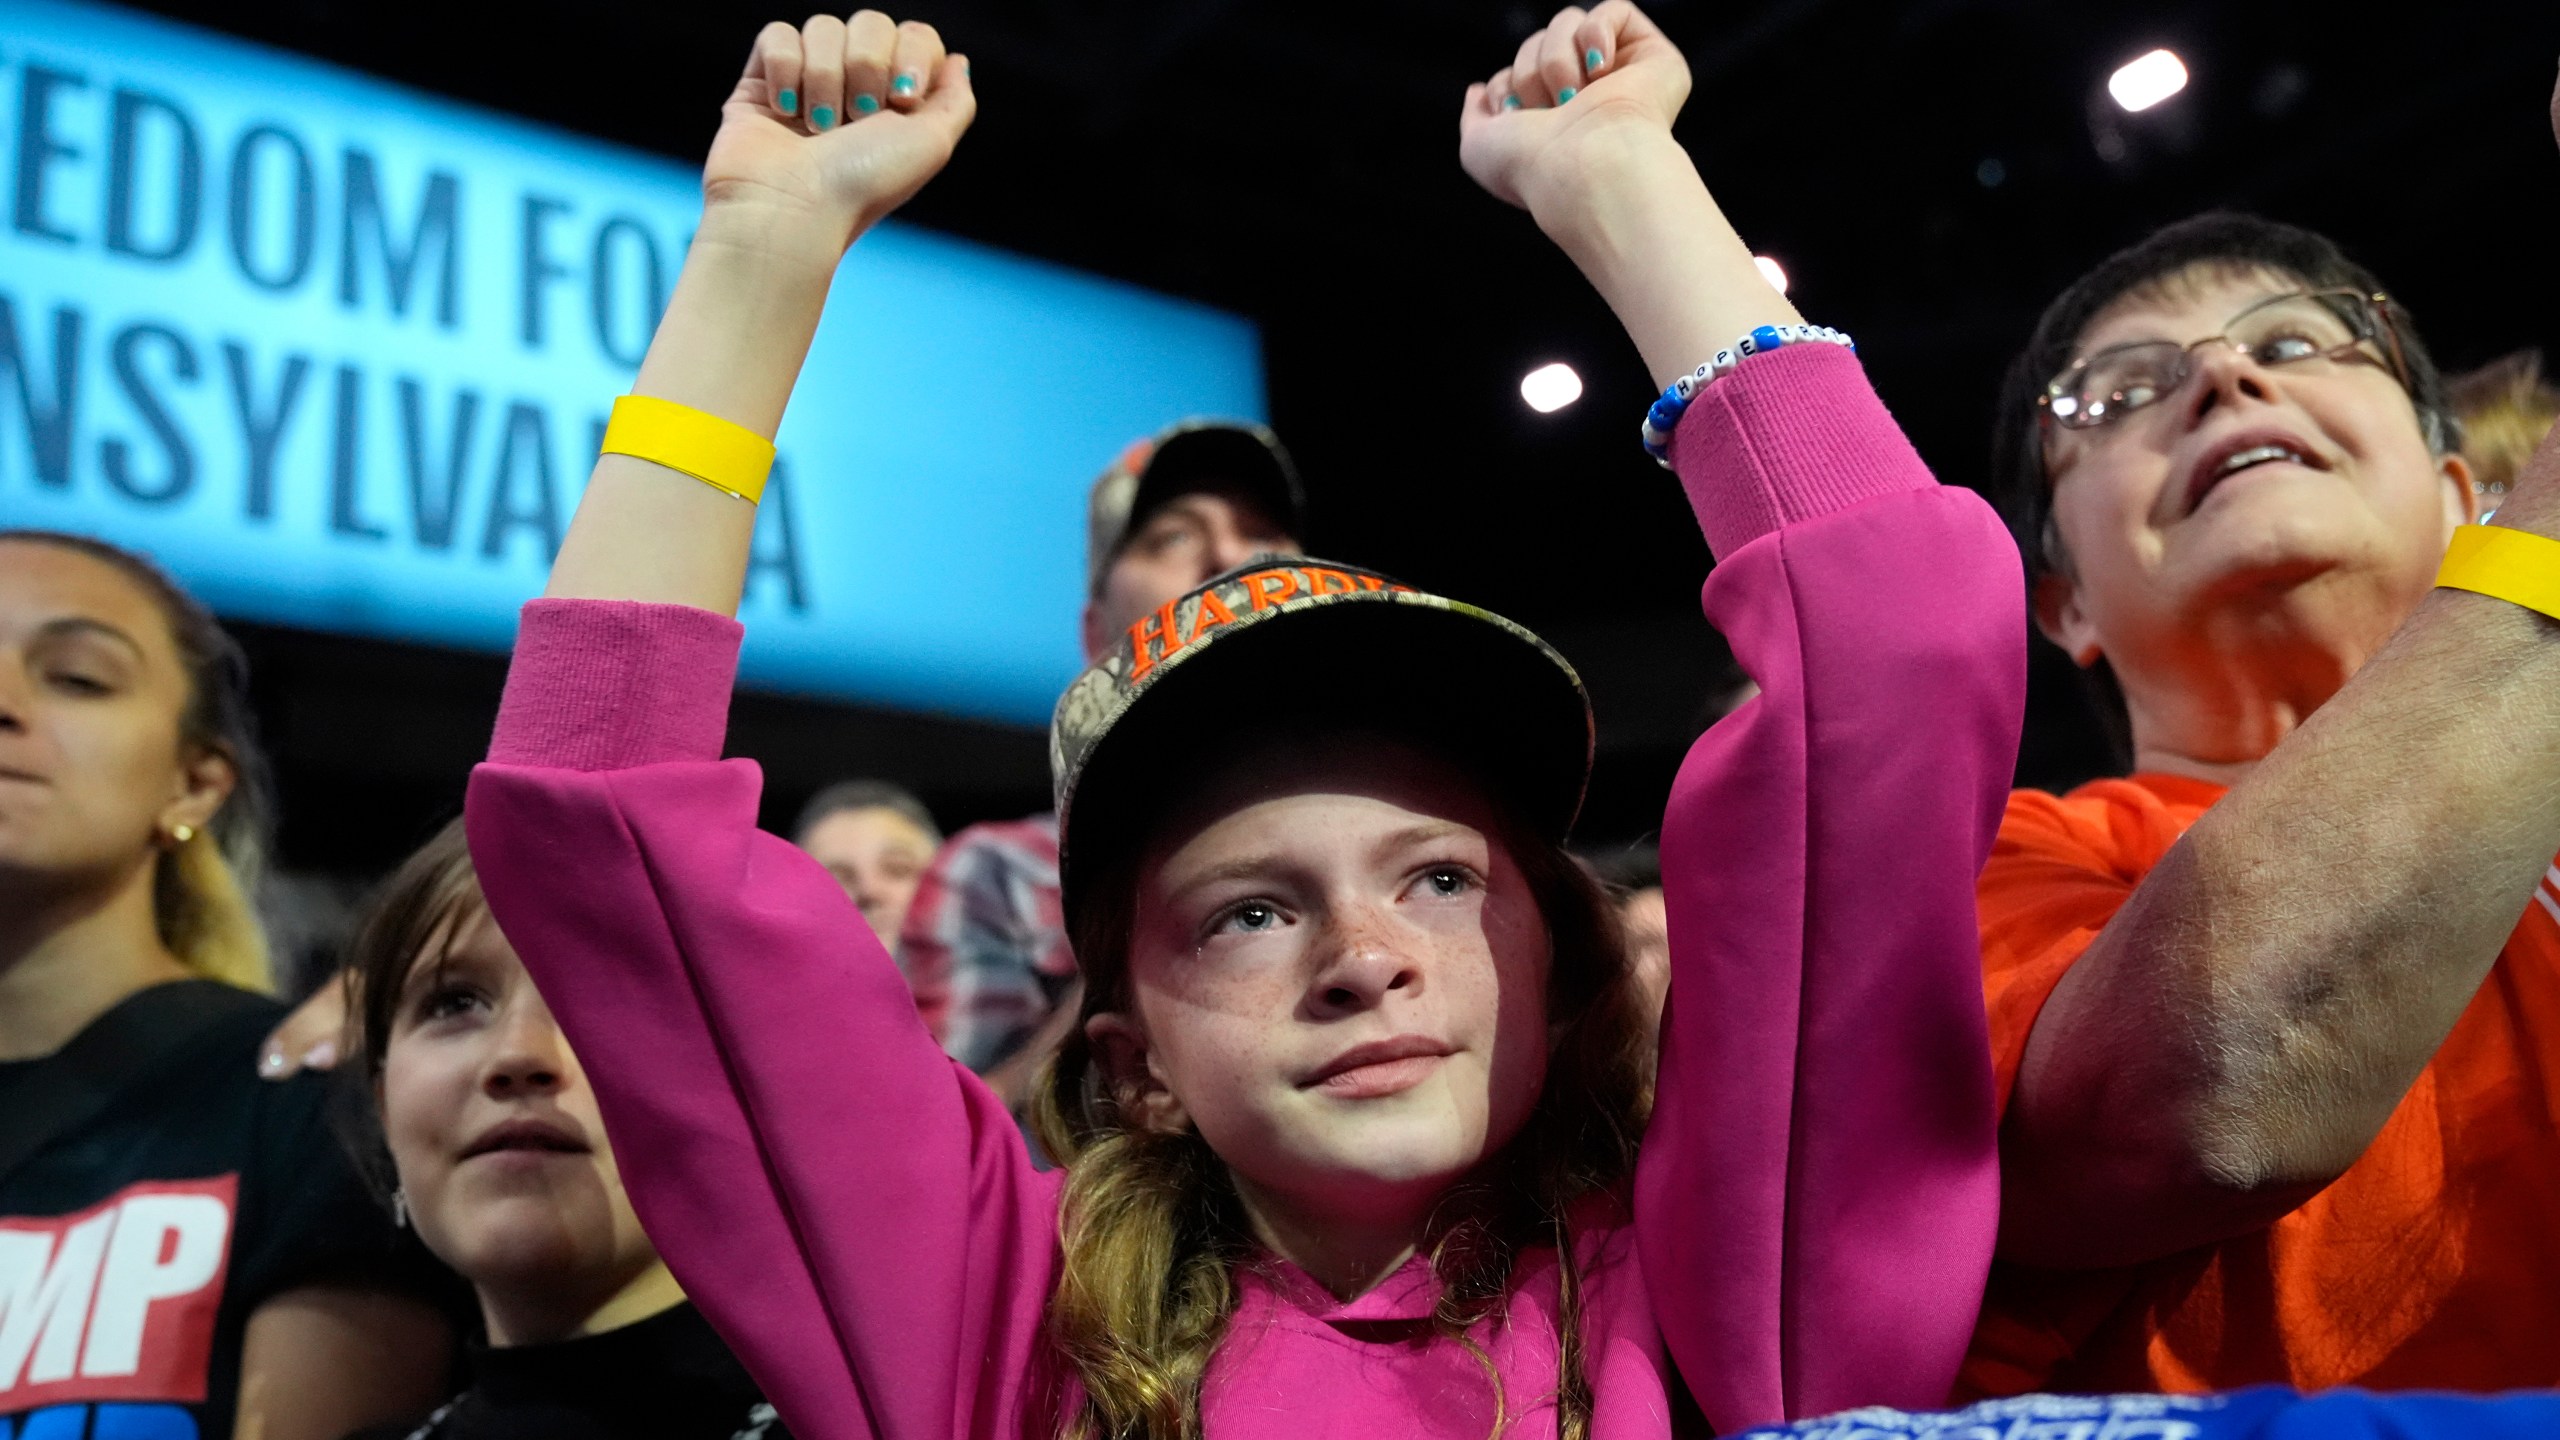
x,y
615,684
1788,436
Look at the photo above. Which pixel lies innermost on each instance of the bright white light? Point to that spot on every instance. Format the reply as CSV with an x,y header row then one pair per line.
x,y
1773,272
1550,388
2144,82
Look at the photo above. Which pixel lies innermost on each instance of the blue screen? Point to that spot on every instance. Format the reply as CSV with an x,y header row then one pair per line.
x,y
339,354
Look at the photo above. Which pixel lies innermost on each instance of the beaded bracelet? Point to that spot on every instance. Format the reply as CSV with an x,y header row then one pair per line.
x,y
1665,415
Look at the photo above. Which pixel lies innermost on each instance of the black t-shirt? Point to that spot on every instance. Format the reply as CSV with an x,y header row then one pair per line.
x,y
668,1377
134,1247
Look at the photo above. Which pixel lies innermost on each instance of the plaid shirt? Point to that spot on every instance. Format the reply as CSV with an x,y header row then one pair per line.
x,y
984,946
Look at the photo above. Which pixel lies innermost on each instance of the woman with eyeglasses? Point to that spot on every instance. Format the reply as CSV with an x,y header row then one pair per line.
x,y
2275,1014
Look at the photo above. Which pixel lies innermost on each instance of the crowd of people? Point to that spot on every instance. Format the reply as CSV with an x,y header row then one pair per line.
x,y
1292,1074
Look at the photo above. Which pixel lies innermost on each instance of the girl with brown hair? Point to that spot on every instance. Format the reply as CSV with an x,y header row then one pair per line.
x,y
482,1131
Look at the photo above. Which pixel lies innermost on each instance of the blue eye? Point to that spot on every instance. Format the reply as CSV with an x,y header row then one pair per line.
x,y
1252,917
1448,881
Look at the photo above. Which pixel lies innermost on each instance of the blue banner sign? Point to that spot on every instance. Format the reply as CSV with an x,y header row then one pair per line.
x,y
340,354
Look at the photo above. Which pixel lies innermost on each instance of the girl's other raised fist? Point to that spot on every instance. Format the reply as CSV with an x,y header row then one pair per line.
x,y
1595,77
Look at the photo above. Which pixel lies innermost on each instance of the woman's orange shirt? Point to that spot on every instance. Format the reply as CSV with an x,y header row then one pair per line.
x,y
2434,1262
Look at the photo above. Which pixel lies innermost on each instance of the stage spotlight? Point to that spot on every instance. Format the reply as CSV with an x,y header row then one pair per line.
x,y
1550,388
2143,82
1773,272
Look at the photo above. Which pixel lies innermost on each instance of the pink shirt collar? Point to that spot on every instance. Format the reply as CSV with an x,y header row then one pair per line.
x,y
1411,1293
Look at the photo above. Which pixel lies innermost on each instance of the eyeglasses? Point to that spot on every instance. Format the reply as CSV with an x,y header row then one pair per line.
x,y
2318,326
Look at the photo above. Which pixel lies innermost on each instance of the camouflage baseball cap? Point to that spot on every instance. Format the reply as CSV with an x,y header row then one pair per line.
x,y
1179,460
1290,633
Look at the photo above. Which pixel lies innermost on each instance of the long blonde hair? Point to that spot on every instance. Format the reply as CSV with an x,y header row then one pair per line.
x,y
1154,1235
200,887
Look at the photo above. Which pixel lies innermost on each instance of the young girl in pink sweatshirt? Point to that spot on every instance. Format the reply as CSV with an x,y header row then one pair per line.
x,y
1355,1130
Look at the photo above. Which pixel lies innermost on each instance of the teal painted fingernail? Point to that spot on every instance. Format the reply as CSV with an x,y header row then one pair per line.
x,y
1565,94
903,85
823,117
1590,60
789,100
1510,102
866,103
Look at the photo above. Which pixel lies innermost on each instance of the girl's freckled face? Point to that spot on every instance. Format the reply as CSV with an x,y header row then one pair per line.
x,y
1341,973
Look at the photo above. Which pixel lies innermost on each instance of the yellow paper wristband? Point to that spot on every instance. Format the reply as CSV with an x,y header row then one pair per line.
x,y
720,453
2516,566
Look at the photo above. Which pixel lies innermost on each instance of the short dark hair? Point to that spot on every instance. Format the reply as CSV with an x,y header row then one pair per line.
x,y
865,795
2222,239
2017,483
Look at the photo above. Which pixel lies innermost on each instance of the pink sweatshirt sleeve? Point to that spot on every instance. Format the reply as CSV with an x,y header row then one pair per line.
x,y
854,1212
1818,1192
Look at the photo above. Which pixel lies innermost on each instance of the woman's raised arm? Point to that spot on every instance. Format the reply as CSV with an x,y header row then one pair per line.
x,y
792,180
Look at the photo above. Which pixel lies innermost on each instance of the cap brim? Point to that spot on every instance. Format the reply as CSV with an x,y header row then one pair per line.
x,y
1223,454
1452,678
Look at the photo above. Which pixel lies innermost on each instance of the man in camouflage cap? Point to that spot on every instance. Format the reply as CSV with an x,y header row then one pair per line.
x,y
984,945
1193,501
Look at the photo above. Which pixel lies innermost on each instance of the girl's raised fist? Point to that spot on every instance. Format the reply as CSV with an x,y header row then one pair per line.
x,y
1590,77
835,123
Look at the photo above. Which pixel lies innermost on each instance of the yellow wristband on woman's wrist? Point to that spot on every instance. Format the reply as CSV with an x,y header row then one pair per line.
x,y
2516,566
720,453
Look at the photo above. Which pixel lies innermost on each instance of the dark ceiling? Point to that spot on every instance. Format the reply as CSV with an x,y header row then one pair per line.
x,y
1929,171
